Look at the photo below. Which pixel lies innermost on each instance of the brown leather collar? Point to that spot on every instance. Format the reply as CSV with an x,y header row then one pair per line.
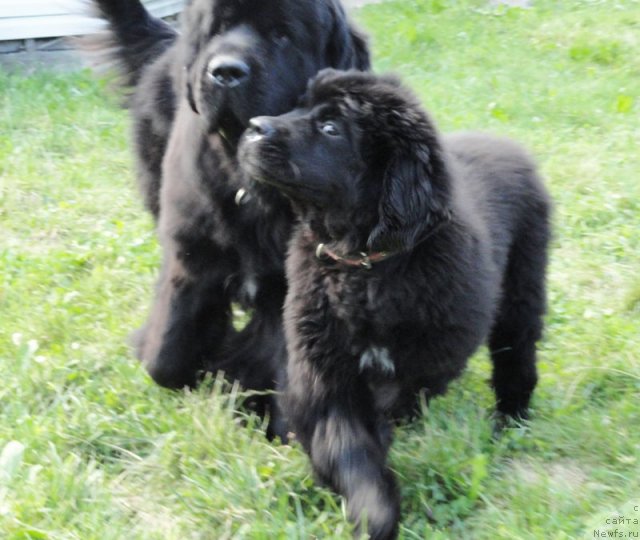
x,y
361,259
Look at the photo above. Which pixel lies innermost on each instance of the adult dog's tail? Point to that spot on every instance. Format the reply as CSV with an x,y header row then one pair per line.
x,y
133,39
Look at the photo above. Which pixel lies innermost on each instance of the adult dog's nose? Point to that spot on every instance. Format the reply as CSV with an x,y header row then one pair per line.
x,y
259,127
228,71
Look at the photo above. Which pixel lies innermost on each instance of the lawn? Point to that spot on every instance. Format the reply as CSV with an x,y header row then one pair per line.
x,y
91,449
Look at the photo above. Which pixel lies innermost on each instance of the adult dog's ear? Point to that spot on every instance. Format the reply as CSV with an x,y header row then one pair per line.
x,y
347,47
185,76
414,200
191,98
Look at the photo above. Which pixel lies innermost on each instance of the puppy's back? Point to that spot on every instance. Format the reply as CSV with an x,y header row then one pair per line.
x,y
498,161
497,185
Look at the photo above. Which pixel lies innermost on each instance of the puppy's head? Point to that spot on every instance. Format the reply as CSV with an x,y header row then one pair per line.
x,y
242,58
359,157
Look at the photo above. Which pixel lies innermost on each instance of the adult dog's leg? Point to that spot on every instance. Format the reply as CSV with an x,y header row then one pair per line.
x,y
347,443
188,322
519,323
191,314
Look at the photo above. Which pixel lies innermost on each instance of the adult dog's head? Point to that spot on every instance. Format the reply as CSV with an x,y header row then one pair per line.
x,y
360,160
243,58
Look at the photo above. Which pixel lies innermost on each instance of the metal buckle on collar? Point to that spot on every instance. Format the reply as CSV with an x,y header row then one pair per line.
x,y
366,261
320,253
241,197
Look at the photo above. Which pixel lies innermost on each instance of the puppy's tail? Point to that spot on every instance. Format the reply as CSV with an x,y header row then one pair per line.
x,y
133,39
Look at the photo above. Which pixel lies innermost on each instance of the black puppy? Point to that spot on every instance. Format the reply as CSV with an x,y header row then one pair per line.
x,y
194,94
411,250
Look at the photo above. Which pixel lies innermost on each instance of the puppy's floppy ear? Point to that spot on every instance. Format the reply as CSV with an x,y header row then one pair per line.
x,y
414,199
347,47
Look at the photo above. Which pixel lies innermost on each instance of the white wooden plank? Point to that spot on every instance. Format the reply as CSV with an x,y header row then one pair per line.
x,y
154,5
24,19
39,8
164,8
48,26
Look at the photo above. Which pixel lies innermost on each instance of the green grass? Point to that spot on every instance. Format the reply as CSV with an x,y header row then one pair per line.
x,y
91,449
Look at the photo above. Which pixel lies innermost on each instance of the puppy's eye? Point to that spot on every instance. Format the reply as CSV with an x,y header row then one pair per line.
x,y
329,128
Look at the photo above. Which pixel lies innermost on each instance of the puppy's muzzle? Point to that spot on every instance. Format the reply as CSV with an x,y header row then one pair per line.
x,y
260,128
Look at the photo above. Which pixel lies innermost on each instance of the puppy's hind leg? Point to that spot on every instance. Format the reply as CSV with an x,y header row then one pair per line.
x,y
256,357
518,324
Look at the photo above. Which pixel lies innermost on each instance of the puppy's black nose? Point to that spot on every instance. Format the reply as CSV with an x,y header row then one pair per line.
x,y
260,126
228,71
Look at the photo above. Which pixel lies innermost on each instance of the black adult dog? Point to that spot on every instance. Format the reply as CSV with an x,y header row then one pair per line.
x,y
411,250
194,94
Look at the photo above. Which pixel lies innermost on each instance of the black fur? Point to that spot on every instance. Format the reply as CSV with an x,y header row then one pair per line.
x,y
465,223
194,95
